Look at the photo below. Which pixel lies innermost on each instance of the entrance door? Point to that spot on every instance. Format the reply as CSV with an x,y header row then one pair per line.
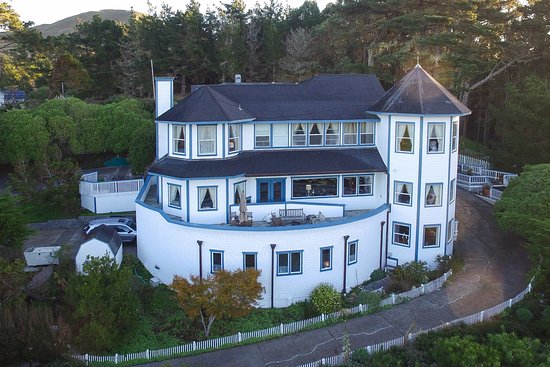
x,y
270,190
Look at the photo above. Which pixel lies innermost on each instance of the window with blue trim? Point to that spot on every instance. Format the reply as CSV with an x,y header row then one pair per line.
x,y
315,134
436,138
332,133
178,139
289,262
308,187
298,134
326,258
358,185
207,139
234,138
249,260
402,193
433,194
208,197
352,252
366,132
349,133
401,234
174,196
450,230
216,261
431,235
452,187
454,136
404,137
262,135
239,189
280,135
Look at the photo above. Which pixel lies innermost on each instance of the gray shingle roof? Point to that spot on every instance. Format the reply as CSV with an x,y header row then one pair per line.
x,y
259,163
107,235
324,97
418,93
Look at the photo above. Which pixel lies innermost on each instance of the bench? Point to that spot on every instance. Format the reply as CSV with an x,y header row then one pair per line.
x,y
291,215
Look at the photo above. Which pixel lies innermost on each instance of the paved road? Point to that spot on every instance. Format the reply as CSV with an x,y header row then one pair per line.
x,y
495,269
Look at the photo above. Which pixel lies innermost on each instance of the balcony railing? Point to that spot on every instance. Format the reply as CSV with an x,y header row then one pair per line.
x,y
90,187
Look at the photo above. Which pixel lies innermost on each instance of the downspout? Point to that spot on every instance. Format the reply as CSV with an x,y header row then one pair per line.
x,y
346,237
272,272
381,241
199,242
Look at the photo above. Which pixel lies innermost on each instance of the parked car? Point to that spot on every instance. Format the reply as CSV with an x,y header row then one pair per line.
x,y
125,227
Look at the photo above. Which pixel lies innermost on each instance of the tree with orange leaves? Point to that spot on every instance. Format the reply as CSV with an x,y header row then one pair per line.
x,y
224,294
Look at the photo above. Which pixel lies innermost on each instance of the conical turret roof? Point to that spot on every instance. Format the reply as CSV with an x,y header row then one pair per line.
x,y
418,93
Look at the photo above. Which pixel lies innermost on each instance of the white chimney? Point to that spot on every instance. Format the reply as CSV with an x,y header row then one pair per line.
x,y
237,78
164,93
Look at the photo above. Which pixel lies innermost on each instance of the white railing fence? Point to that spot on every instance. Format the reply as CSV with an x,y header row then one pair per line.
x,y
471,161
399,342
110,187
281,329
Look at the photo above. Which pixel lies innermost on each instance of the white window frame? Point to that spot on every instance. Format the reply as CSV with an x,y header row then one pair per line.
x,y
430,202
366,130
437,228
397,194
332,139
210,140
454,136
176,131
280,135
298,137
233,138
400,136
326,264
399,233
255,255
213,190
450,230
358,185
318,136
289,258
215,267
353,247
452,190
172,203
348,136
435,144
259,132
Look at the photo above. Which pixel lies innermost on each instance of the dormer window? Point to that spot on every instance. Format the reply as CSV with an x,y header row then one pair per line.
x,y
208,198
207,139
178,136
315,134
332,133
298,135
234,140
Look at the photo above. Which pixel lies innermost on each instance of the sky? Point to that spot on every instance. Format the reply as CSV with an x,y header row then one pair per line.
x,y
49,11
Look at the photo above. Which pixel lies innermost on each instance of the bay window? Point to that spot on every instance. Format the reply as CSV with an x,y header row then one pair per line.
x,y
178,139
402,193
436,138
433,194
234,138
208,197
431,235
404,137
207,139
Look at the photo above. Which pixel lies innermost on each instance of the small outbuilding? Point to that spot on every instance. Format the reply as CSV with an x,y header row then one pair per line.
x,y
101,241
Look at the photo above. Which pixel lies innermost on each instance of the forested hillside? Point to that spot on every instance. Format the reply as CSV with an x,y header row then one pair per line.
x,y
493,54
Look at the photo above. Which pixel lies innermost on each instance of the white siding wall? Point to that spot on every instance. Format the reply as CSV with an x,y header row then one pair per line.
x,y
174,250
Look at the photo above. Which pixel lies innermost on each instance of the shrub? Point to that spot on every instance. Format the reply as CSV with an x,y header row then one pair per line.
x,y
325,298
413,273
513,350
459,351
524,315
377,275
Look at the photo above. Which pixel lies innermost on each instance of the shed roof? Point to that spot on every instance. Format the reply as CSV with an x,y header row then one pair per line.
x,y
324,97
418,93
260,163
107,235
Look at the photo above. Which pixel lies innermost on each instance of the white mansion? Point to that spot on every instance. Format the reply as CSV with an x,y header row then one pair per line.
x,y
321,181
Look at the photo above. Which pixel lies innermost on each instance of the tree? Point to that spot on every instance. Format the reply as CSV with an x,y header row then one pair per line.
x,y
298,63
104,303
524,209
13,224
68,77
142,147
225,294
12,280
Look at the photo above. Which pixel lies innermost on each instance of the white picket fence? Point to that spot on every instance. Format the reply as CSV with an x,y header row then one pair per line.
x,y
471,161
279,330
402,340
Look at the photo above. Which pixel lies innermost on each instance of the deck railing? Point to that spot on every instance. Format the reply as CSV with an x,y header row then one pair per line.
x,y
109,187
279,330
